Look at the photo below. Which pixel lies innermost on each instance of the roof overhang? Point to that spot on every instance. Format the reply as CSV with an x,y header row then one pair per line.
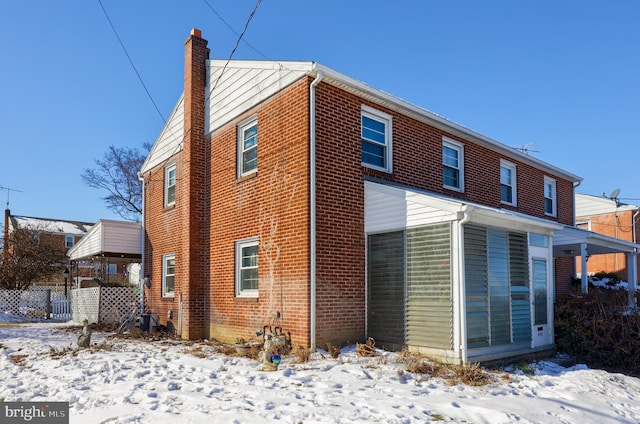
x,y
568,243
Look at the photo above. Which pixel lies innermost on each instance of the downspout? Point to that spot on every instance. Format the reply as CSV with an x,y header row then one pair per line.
x,y
462,301
142,270
312,206
574,201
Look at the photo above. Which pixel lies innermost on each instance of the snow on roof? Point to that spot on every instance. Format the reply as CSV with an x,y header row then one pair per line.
x,y
51,225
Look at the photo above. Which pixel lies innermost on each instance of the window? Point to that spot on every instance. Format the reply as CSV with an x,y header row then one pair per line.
x,y
452,165
508,183
168,275
376,139
247,268
112,269
68,241
248,147
170,185
550,196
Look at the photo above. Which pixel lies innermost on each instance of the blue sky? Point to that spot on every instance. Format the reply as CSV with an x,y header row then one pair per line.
x,y
562,77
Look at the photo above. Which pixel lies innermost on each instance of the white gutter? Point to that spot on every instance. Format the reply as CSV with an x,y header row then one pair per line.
x,y
312,212
142,279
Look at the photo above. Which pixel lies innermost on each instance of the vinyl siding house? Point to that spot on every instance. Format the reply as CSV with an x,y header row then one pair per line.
x,y
286,193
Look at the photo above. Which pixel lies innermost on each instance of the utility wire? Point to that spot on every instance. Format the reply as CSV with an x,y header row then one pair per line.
x,y
131,61
246,25
233,30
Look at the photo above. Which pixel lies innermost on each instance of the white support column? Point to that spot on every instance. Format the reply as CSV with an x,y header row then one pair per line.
x,y
632,279
585,278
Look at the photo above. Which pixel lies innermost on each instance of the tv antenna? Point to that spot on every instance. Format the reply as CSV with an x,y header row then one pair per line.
x,y
613,196
9,190
526,148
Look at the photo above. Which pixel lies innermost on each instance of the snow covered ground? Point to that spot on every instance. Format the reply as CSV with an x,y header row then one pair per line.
x,y
132,381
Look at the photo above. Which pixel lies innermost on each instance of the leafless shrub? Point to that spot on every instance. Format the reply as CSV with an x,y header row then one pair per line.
x,y
334,351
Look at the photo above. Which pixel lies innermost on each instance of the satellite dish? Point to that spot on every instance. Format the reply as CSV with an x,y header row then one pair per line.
x,y
614,194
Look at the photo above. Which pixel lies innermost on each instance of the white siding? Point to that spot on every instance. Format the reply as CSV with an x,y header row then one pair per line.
x,y
587,205
389,209
169,142
109,237
244,84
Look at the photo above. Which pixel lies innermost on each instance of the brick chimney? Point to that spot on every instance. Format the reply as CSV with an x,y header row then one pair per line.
x,y
191,258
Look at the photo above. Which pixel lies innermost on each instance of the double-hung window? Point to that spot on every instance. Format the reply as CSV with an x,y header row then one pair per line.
x,y
550,206
508,183
376,139
452,164
68,241
168,275
170,185
248,147
247,268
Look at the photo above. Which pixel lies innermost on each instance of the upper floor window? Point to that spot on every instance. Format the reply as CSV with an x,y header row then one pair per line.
x,y
550,207
508,183
247,268
248,147
376,139
168,275
170,185
68,241
452,164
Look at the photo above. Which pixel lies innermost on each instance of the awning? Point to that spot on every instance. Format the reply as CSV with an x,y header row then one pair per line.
x,y
569,240
575,242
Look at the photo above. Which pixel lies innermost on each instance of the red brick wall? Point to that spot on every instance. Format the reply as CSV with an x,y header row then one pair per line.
x,y
618,225
272,204
161,227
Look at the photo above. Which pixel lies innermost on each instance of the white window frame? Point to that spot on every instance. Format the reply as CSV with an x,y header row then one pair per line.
x,y
69,241
459,147
244,125
550,182
514,182
385,119
165,259
168,184
240,244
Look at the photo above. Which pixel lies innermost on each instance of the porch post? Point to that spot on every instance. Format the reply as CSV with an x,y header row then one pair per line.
x,y
585,278
632,272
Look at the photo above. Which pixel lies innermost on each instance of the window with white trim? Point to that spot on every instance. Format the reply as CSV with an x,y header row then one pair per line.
x,y
452,164
248,147
168,275
170,185
68,241
508,183
550,207
375,139
247,268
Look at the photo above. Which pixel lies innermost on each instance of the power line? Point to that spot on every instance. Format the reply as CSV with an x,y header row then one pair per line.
x,y
234,31
131,61
246,25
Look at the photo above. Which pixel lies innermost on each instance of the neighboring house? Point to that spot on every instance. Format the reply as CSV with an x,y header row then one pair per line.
x,y
612,218
67,231
288,194
110,252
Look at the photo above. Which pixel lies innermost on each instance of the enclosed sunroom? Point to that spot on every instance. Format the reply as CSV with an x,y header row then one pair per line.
x,y
454,280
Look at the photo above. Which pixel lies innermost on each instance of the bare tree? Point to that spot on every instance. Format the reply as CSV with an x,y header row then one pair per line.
x,y
117,173
31,254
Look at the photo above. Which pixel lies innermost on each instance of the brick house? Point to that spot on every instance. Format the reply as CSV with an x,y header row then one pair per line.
x,y
612,218
67,232
286,193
